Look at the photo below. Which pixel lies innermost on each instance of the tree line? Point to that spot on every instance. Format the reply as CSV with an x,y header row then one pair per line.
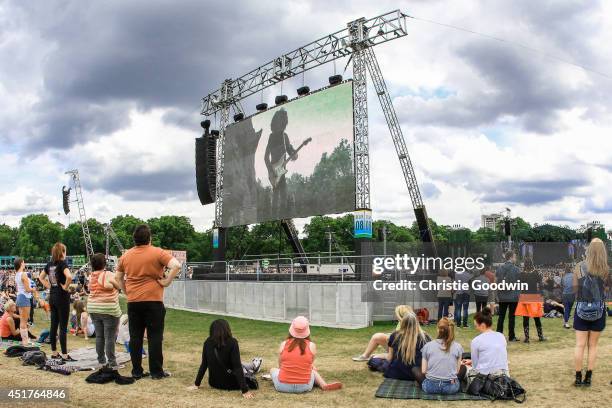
x,y
36,233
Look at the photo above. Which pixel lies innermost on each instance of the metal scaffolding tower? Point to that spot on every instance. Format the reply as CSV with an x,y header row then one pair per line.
x,y
110,234
354,41
76,181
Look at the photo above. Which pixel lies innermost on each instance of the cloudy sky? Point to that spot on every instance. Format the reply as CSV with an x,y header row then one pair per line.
x,y
113,88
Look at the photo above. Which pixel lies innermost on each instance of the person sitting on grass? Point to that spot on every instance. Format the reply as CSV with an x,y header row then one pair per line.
x,y
221,357
488,350
9,323
442,361
297,373
405,347
9,330
382,339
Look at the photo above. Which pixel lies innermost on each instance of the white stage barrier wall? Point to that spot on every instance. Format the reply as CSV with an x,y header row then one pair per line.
x,y
331,304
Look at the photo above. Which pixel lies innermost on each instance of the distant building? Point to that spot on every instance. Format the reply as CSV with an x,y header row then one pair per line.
x,y
490,220
595,225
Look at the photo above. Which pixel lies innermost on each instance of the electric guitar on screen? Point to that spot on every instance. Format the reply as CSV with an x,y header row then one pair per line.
x,y
279,169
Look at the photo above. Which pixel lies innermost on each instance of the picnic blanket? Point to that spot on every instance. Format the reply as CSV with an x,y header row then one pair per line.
x,y
87,358
398,389
4,344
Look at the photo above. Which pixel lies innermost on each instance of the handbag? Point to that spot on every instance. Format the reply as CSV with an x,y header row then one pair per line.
x,y
497,387
249,378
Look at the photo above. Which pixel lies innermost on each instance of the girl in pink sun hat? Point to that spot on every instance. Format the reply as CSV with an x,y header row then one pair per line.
x,y
297,373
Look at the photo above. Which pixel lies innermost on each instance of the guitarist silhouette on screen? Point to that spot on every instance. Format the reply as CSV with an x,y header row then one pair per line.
x,y
279,152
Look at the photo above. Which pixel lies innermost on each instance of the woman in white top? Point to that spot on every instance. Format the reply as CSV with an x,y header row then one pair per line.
x,y
24,299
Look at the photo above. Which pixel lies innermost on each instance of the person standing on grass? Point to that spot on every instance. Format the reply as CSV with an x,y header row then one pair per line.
x,y
462,297
297,373
508,299
591,279
490,274
568,295
531,302
441,361
56,277
480,295
103,306
143,269
445,296
24,299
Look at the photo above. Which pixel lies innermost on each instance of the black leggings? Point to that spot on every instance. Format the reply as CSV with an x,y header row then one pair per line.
x,y
60,311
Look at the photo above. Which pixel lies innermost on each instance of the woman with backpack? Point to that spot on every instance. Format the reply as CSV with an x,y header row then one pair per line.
x,y
591,278
221,357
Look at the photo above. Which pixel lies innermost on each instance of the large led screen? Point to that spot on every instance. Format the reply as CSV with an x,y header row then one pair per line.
x,y
291,161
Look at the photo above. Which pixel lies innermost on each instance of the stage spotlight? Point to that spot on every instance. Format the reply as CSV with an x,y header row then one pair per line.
x,y
205,124
261,106
214,133
238,117
380,32
335,79
304,90
280,99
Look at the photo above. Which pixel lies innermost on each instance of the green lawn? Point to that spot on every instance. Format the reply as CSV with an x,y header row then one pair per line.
x,y
544,369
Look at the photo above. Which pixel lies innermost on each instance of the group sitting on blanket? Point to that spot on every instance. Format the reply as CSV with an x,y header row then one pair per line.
x,y
437,364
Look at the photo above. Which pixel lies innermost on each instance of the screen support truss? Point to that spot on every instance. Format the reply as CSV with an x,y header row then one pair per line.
x,y
355,41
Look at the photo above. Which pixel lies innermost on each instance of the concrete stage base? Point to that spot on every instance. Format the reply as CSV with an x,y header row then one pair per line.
x,y
329,304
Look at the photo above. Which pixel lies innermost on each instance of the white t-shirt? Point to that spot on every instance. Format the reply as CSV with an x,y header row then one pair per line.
x,y
489,353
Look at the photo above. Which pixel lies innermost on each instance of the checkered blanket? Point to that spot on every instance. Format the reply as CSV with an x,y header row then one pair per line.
x,y
399,389
4,344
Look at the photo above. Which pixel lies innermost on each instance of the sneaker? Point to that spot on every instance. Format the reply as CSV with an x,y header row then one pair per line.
x,y
361,357
163,375
567,326
139,376
514,339
56,357
465,326
68,358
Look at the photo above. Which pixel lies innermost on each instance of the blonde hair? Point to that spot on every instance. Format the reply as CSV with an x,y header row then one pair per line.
x,y
8,305
58,251
597,259
446,332
408,336
401,310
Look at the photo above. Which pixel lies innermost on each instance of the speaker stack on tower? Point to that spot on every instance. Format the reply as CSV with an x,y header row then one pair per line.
x,y
206,164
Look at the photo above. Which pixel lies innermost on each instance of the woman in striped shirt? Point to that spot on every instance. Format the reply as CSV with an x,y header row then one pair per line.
x,y
103,306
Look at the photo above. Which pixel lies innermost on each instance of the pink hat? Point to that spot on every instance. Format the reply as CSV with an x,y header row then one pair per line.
x,y
300,328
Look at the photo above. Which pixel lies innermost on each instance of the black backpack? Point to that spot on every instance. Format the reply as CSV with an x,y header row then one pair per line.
x,y
36,357
497,387
18,350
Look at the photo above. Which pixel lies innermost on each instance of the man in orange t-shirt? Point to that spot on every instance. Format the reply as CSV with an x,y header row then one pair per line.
x,y
143,269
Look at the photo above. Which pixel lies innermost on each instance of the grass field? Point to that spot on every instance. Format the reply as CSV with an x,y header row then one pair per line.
x,y
544,369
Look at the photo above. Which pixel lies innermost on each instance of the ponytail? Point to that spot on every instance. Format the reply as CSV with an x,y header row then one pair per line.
x,y
446,332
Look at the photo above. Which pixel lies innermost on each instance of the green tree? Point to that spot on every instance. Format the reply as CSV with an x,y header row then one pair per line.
x,y
8,239
124,226
36,235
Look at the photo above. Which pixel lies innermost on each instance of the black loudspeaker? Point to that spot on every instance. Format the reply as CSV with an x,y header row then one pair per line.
x,y
280,99
507,229
303,90
206,168
261,106
381,234
335,79
425,233
66,199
